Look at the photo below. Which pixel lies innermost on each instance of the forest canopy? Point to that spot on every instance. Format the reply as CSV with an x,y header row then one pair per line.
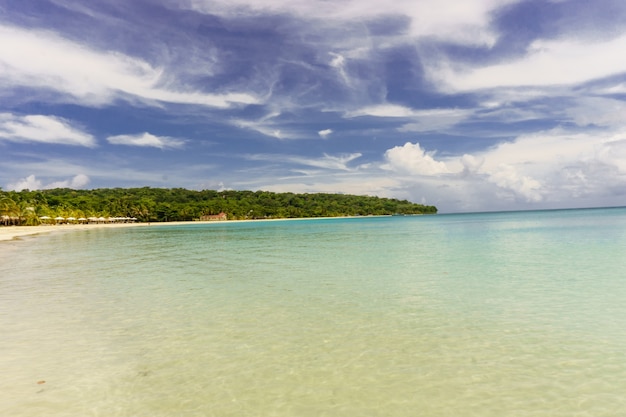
x,y
177,204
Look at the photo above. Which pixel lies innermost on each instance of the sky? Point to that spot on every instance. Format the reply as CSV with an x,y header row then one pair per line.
x,y
468,105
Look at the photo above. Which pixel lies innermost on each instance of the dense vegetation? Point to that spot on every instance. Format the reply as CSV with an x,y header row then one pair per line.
x,y
177,204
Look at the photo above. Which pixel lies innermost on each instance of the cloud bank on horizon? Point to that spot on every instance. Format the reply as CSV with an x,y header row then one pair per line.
x,y
468,105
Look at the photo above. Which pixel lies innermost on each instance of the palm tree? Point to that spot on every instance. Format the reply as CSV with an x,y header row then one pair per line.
x,y
9,211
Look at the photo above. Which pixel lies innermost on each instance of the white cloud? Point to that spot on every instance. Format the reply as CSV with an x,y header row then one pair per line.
x,y
420,120
146,139
508,177
325,133
339,63
266,126
553,168
382,110
329,162
436,119
466,22
79,181
42,59
28,183
42,129
546,63
598,111
471,164
412,159
32,183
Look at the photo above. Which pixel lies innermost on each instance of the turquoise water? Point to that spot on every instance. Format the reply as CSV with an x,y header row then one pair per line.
x,y
499,314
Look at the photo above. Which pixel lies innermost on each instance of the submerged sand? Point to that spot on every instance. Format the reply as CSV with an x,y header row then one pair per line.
x,y
14,232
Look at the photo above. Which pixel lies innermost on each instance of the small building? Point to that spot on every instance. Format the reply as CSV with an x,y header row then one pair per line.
x,y
214,217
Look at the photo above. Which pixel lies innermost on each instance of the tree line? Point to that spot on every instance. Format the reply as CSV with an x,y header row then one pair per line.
x,y
177,204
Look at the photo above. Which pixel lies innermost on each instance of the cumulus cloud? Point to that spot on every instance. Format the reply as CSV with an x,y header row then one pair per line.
x,y
412,159
325,133
471,164
549,167
33,183
148,140
42,129
506,176
44,60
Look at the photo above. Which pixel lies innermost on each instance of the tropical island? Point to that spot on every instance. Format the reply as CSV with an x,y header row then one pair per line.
x,y
178,204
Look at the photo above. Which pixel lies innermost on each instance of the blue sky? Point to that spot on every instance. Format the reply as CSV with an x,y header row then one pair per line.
x,y
469,105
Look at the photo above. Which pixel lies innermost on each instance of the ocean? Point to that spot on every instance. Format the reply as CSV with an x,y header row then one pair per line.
x,y
489,314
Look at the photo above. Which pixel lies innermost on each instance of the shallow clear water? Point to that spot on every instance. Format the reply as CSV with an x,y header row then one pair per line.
x,y
500,314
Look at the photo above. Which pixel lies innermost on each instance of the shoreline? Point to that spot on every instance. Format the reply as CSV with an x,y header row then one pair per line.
x,y
9,233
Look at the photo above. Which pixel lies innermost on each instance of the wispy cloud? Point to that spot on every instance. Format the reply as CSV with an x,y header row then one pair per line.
x,y
415,120
546,63
329,162
44,60
467,22
43,129
267,125
147,140
382,110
